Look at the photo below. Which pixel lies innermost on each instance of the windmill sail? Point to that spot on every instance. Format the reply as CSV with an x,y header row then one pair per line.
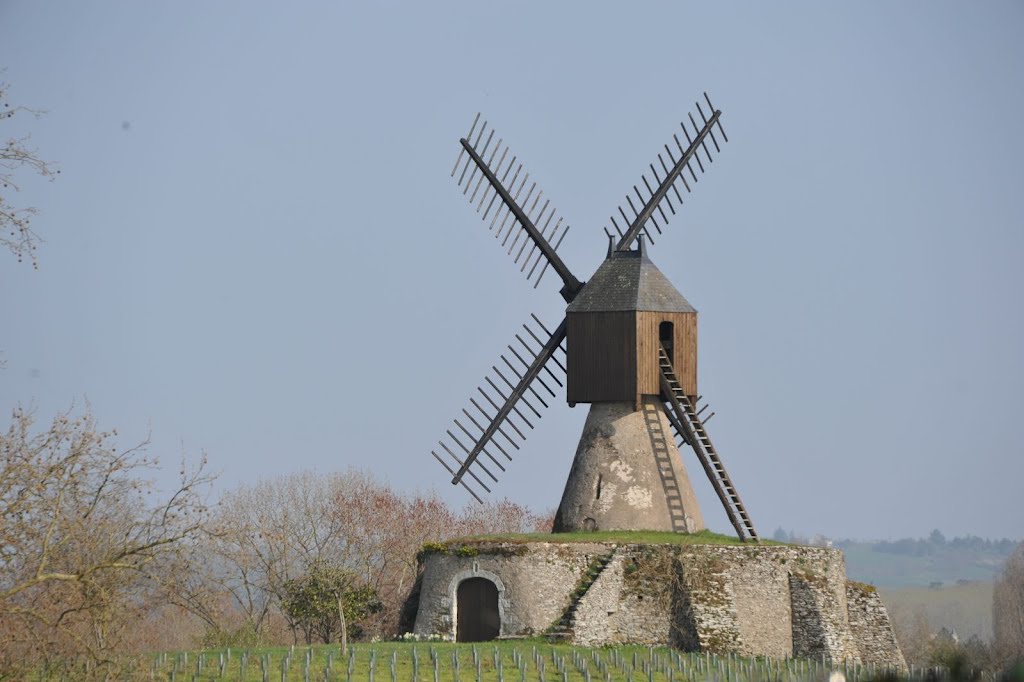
x,y
670,170
478,443
522,219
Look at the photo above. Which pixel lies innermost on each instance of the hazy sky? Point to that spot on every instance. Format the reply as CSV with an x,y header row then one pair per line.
x,y
255,250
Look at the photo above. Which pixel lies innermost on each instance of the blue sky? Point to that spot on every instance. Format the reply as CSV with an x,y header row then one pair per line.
x,y
255,250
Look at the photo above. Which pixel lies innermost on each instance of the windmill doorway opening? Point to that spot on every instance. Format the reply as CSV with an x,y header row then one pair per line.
x,y
477,611
666,334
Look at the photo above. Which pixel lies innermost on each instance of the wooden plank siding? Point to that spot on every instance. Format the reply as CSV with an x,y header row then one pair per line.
x,y
685,341
601,349
613,356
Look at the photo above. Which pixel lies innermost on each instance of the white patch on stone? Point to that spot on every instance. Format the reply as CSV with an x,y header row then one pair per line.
x,y
639,497
622,470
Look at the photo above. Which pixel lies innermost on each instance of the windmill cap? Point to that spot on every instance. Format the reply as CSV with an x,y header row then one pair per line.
x,y
628,280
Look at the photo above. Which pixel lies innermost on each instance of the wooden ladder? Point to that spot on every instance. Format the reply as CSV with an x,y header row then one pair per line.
x,y
663,458
690,428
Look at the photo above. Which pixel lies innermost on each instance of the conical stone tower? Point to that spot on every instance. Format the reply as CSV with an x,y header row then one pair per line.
x,y
628,473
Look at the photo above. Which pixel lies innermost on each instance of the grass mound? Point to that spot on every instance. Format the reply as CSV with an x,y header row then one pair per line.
x,y
647,537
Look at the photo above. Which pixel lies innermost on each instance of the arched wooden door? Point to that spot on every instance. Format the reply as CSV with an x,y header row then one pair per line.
x,y
477,609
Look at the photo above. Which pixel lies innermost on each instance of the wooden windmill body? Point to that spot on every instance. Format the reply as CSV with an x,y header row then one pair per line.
x,y
628,473
627,346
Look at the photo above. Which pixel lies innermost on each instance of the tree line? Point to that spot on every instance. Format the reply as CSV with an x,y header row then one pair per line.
x,y
935,542
96,563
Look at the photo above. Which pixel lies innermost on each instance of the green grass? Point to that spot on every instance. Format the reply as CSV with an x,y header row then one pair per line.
x,y
501,661
704,537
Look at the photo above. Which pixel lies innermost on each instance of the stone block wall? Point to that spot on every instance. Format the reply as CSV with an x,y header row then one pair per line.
x,y
872,630
753,600
757,584
615,612
535,582
757,600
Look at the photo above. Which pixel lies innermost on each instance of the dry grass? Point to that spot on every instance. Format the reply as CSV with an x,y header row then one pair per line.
x,y
964,608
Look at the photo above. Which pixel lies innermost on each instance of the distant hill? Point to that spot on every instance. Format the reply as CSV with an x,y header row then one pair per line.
x,y
921,562
949,582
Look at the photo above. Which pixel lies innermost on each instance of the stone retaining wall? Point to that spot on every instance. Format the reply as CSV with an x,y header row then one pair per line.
x,y
534,581
869,622
763,600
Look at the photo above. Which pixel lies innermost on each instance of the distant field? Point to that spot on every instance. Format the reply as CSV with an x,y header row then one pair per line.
x,y
967,609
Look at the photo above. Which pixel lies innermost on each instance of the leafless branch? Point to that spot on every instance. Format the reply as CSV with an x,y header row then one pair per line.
x,y
17,156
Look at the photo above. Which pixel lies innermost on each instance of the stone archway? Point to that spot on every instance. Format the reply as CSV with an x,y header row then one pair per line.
x,y
477,616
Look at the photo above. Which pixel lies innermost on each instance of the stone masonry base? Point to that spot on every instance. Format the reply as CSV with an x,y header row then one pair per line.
x,y
755,600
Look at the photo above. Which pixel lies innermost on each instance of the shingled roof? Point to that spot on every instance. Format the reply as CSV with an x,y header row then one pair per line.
x,y
628,280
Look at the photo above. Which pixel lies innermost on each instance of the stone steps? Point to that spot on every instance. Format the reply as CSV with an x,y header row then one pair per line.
x,y
562,629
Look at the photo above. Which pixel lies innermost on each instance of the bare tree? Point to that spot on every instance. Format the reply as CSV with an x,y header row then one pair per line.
x,y
261,536
1008,608
83,549
16,234
265,535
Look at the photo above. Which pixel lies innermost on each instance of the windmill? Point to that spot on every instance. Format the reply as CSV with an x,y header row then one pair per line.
x,y
627,346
